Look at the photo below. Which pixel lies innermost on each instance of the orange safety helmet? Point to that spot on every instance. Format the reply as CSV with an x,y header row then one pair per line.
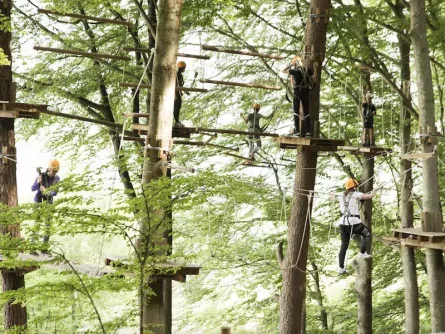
x,y
256,106
351,183
181,64
54,164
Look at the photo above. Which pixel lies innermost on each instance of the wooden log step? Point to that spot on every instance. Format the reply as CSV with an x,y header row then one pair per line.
x,y
418,234
416,243
313,144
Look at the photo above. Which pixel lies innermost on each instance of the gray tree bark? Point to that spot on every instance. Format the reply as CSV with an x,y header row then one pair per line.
x,y
432,219
412,324
294,265
159,136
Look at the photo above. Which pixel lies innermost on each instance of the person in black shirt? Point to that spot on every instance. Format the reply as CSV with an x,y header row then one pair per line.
x,y
178,94
253,119
303,79
369,112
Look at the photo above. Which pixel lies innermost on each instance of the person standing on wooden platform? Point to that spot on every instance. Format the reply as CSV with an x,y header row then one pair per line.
x,y
44,181
253,120
302,79
369,112
178,94
350,222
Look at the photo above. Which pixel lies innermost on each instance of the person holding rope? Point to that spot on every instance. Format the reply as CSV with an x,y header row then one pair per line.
x,y
302,79
253,120
369,112
44,181
350,222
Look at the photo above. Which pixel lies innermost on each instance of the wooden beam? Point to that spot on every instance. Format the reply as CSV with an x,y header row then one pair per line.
x,y
81,53
21,110
137,114
147,50
416,243
240,84
184,89
245,53
86,17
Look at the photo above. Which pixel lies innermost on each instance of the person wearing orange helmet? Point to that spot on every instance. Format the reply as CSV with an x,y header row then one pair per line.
x,y
303,78
44,181
253,120
350,222
178,94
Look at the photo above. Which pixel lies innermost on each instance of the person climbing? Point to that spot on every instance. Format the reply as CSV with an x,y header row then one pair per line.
x,y
369,112
302,79
350,222
44,181
253,120
178,93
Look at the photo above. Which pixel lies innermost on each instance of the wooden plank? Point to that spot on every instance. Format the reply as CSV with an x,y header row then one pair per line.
x,y
419,234
286,141
21,110
240,52
147,50
184,89
240,84
416,243
81,53
86,17
137,114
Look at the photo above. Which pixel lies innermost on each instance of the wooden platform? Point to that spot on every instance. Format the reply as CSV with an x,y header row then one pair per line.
x,y
177,132
309,144
21,110
415,237
367,151
30,262
165,270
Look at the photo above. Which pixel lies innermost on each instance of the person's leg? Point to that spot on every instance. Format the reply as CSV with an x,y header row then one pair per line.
x,y
364,136
296,111
251,146
345,234
258,145
371,137
177,107
306,115
363,231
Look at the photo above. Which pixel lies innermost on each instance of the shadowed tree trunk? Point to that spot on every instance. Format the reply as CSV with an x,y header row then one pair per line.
x,y
294,264
431,215
14,314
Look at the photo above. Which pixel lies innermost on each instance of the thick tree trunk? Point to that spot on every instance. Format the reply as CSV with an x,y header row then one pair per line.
x,y
159,134
15,314
293,292
412,324
432,219
364,266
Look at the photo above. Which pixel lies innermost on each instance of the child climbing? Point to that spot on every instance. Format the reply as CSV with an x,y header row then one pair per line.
x,y
369,112
350,222
302,78
178,94
44,181
253,120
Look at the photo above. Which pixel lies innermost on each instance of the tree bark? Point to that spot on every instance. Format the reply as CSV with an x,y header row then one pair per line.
x,y
432,214
293,292
159,135
14,314
412,324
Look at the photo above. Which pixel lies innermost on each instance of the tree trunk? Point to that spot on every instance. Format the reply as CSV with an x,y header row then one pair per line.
x,y
293,292
432,219
159,134
406,206
364,266
15,314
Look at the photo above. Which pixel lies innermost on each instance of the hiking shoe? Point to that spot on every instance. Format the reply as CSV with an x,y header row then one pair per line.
x,y
341,271
179,125
364,255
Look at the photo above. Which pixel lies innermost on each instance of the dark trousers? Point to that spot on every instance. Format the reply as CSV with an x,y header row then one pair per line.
x,y
302,99
346,232
177,107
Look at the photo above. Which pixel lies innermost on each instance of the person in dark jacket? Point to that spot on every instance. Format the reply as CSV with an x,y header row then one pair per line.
x,y
42,184
179,93
369,111
303,79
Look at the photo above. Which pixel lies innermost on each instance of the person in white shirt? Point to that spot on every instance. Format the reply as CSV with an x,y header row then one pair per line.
x,y
350,222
